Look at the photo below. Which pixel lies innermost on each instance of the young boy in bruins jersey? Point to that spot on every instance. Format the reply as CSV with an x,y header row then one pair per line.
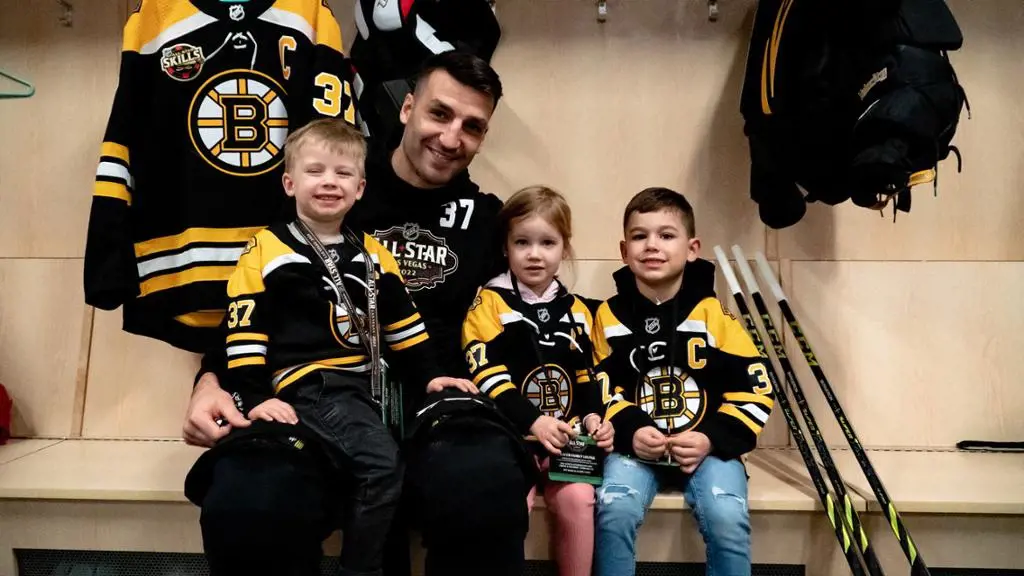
x,y
688,391
302,338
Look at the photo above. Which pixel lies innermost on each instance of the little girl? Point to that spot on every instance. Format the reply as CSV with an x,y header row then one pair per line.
x,y
527,343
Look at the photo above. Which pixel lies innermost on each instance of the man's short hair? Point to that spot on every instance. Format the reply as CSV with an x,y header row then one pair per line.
x,y
655,199
339,136
468,69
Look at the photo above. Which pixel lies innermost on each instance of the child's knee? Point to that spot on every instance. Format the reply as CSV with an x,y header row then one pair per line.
x,y
726,516
619,505
573,501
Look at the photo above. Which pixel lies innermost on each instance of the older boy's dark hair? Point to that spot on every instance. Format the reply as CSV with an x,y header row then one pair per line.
x,y
466,68
655,199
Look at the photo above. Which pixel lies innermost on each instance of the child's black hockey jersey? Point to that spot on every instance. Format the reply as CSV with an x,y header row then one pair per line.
x,y
190,166
286,319
533,359
686,364
445,241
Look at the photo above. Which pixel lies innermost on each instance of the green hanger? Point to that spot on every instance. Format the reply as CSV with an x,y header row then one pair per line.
x,y
27,92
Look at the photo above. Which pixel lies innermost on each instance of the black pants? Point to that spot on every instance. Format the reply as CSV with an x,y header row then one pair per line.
x,y
470,496
258,499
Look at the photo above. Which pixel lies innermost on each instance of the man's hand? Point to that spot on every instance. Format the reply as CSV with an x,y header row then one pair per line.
x,y
442,382
210,403
600,430
552,433
689,449
274,410
649,443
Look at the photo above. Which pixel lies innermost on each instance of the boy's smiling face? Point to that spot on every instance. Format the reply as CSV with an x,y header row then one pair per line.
x,y
324,182
657,246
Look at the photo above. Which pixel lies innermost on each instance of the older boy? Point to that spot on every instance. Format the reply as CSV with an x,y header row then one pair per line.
x,y
688,393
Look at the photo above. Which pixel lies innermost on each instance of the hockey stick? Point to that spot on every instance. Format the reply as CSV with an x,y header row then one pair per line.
x,y
835,478
794,427
917,564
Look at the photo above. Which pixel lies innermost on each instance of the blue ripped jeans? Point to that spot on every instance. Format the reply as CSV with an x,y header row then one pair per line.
x,y
716,492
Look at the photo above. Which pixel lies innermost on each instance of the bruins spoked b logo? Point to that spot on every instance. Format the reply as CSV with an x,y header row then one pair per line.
x,y
238,122
672,399
550,390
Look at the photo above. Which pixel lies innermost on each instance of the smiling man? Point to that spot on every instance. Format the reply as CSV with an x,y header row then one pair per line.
x,y
468,472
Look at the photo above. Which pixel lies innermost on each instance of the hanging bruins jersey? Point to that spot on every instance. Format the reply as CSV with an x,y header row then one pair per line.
x,y
532,359
190,163
682,365
286,319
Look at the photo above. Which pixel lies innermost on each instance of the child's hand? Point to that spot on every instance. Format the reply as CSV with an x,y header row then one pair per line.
x,y
442,382
601,431
649,443
689,449
274,410
552,433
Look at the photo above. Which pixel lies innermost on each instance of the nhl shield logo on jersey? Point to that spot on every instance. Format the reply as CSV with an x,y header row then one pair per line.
x,y
423,258
543,315
549,389
238,122
672,399
183,62
652,325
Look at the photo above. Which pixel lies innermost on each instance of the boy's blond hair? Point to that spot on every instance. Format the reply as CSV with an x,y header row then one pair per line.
x,y
338,136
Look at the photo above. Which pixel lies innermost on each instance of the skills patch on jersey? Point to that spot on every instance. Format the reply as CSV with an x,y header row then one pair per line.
x,y
424,259
238,122
549,389
671,398
183,62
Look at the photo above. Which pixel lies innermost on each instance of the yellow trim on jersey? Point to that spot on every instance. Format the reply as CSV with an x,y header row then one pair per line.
x,y
402,323
201,318
748,397
177,241
343,360
727,334
616,408
115,150
489,372
112,190
249,361
736,413
245,280
256,336
578,307
151,20
388,264
503,388
605,318
298,374
178,279
320,18
410,342
483,323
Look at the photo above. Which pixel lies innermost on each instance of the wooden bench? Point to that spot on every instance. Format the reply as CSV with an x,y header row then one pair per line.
x,y
963,509
127,495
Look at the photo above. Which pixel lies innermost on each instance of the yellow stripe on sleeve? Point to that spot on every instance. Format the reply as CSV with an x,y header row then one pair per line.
x,y
115,150
250,361
112,190
488,373
748,397
736,413
501,389
410,342
255,336
402,323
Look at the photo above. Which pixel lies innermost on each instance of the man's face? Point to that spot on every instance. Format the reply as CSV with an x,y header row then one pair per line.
x,y
445,124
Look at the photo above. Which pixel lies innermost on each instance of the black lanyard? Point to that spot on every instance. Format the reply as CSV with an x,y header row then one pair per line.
x,y
370,331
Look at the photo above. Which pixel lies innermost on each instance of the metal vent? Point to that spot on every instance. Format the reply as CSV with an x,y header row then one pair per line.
x,y
548,568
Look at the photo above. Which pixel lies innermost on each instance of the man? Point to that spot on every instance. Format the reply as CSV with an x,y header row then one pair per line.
x,y
469,483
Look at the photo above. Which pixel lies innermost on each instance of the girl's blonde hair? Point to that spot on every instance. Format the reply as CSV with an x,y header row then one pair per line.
x,y
541,201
